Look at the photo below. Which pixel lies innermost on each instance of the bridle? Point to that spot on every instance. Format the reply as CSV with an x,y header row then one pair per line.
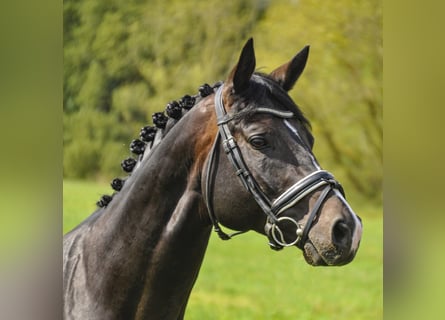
x,y
287,199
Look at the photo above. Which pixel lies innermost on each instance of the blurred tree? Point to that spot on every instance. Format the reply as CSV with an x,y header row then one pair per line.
x,y
126,59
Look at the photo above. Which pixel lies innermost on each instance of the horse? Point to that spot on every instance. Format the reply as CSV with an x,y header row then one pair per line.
x,y
239,155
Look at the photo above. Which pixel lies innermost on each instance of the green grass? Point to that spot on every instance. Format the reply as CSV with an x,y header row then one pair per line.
x,y
79,200
244,279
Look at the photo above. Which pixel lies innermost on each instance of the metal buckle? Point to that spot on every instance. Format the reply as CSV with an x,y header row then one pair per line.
x,y
229,144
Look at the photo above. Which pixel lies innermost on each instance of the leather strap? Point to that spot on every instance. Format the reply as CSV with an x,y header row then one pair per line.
x,y
314,213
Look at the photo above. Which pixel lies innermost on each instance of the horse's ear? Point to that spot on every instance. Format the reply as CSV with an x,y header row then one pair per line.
x,y
287,74
244,69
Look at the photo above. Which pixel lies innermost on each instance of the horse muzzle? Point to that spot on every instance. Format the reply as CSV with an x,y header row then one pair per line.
x,y
336,249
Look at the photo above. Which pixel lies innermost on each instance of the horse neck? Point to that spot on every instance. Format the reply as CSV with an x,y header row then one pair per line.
x,y
150,241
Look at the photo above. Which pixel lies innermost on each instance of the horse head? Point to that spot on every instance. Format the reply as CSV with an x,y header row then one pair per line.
x,y
261,173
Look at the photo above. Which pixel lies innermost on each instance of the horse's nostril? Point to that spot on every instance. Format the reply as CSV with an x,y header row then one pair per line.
x,y
341,233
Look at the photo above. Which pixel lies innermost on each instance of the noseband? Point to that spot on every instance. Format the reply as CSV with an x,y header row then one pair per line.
x,y
286,200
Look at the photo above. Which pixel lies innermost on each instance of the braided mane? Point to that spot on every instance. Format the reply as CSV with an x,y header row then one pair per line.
x,y
151,135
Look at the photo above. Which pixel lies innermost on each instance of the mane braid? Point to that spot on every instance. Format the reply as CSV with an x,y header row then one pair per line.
x,y
151,135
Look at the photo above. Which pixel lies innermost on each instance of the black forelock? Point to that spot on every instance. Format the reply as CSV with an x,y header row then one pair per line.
x,y
263,88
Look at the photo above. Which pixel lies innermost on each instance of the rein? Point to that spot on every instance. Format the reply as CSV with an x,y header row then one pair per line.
x,y
287,199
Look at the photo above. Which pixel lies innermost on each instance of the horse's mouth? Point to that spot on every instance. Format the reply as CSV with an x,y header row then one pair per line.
x,y
325,257
312,256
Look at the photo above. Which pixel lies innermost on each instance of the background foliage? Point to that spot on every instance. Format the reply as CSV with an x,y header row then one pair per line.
x,y
124,60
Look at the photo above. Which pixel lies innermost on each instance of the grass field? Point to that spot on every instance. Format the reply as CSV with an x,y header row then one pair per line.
x,y
244,279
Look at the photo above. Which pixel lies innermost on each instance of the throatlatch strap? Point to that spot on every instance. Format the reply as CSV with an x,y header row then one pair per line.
x,y
208,195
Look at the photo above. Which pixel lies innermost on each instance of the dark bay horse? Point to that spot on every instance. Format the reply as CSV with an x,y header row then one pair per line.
x,y
239,154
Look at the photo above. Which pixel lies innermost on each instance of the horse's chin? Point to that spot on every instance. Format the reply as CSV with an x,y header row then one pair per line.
x,y
312,256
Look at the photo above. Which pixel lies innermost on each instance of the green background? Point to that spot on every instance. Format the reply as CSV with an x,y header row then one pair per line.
x,y
31,117
124,60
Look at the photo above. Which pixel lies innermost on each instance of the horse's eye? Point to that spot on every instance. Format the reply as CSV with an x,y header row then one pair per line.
x,y
258,142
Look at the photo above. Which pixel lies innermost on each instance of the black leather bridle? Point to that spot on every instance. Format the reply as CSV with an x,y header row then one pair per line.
x,y
287,199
